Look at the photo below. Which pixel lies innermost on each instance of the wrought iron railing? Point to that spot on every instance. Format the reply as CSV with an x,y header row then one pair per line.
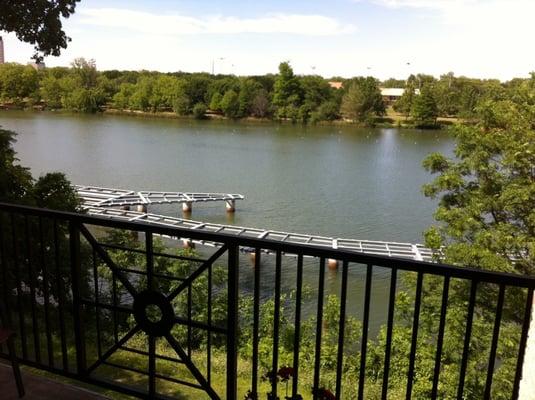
x,y
105,302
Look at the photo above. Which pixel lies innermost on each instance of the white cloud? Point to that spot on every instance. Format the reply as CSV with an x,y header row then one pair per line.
x,y
164,24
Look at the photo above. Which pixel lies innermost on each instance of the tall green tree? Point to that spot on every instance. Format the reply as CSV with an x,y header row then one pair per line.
x,y
424,110
363,100
287,92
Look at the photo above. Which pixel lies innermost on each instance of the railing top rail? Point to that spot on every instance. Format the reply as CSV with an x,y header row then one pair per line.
x,y
292,248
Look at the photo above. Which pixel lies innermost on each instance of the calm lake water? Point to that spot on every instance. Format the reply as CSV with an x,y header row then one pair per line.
x,y
331,180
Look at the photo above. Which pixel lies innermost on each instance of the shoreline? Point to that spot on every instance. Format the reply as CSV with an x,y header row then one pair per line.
x,y
387,121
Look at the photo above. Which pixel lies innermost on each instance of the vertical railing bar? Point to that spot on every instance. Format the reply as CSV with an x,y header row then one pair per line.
x,y
440,338
149,261
414,341
61,298
115,304
494,345
97,301
341,330
32,281
152,366
468,334
189,332
297,331
319,326
256,319
365,323
20,303
523,343
5,283
389,329
232,320
46,294
209,333
276,323
77,307
149,256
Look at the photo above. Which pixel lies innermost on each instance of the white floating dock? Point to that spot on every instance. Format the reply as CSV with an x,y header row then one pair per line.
x,y
94,196
391,249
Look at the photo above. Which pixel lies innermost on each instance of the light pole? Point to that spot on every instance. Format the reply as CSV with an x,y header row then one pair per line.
x,y
213,62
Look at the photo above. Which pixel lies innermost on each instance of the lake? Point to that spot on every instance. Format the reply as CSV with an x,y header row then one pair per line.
x,y
341,181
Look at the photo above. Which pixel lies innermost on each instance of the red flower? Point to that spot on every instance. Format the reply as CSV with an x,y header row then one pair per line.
x,y
325,394
285,373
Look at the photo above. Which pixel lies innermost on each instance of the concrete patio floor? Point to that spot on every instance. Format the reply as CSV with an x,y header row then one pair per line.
x,y
42,388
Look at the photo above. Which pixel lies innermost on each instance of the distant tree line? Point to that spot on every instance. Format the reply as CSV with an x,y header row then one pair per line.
x,y
282,96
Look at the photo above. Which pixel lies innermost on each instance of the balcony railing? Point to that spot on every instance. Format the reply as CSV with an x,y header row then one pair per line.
x,y
110,303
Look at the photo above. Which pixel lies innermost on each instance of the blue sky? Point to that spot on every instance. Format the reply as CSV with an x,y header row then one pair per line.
x,y
481,38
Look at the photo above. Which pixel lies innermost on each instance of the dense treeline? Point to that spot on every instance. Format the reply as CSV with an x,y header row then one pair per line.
x,y
284,96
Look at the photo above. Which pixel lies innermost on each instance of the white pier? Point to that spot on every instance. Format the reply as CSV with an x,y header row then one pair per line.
x,y
391,249
93,196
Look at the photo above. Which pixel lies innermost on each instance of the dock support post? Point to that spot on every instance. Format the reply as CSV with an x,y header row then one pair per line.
x,y
231,205
188,243
142,208
332,263
187,206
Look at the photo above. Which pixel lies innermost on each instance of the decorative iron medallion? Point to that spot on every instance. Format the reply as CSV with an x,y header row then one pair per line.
x,y
154,328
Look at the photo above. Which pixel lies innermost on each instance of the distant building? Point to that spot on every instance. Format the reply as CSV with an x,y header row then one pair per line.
x,y
336,85
38,66
1,51
391,95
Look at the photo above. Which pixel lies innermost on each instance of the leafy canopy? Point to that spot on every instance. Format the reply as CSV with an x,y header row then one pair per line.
x,y
38,22
487,194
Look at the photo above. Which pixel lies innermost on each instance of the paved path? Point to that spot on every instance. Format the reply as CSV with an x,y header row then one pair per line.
x,y
41,388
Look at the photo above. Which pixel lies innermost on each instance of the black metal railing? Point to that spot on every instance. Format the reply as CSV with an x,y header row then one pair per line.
x,y
115,304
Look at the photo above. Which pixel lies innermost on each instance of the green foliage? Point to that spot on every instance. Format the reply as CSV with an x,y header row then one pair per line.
x,y
82,100
424,111
362,101
230,104
287,92
38,23
17,82
215,102
199,111
404,104
487,195
15,180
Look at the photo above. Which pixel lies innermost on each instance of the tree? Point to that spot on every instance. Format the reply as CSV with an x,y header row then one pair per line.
x,y
424,109
51,92
38,22
215,102
85,71
121,99
230,104
287,92
363,100
487,195
15,180
248,90
260,106
199,110
404,104
17,82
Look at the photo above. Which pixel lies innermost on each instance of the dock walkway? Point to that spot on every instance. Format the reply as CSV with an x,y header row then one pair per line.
x,y
391,249
94,196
